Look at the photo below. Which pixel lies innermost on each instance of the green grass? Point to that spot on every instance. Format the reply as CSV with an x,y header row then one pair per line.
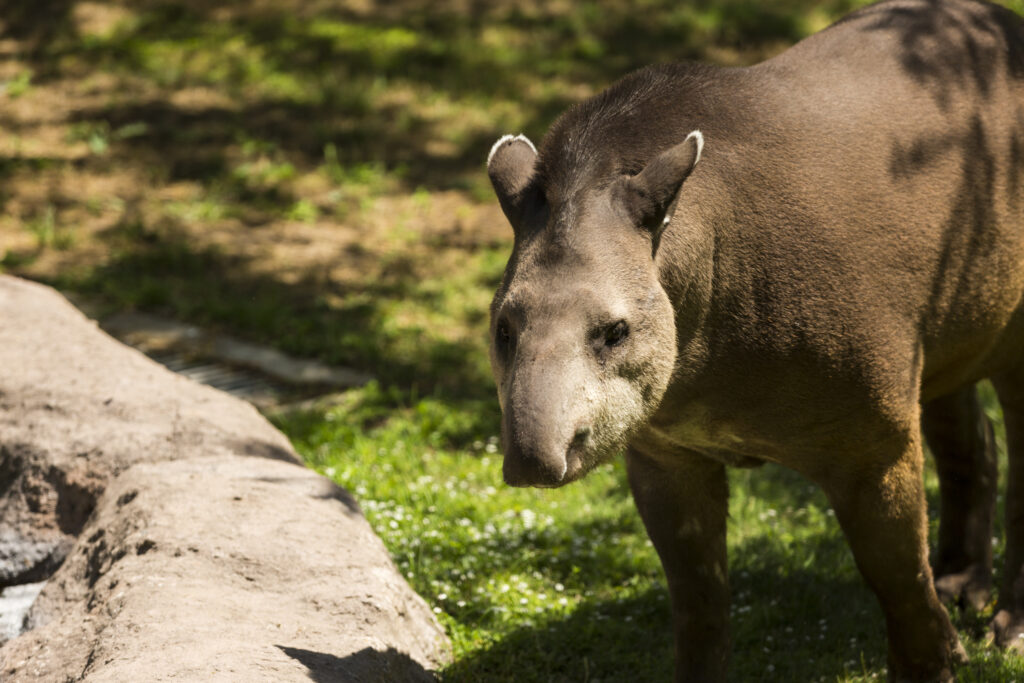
x,y
201,138
408,326
553,585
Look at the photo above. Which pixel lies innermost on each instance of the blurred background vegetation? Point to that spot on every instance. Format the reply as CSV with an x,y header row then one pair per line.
x,y
308,174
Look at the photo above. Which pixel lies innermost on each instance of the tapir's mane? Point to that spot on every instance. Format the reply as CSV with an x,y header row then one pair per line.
x,y
621,129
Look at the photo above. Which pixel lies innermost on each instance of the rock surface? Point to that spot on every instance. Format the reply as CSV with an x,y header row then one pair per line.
x,y
196,546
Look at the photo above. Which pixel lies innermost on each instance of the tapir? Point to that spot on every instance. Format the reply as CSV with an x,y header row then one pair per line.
x,y
809,262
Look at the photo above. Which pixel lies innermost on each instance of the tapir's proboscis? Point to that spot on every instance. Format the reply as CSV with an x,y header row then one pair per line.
x,y
809,262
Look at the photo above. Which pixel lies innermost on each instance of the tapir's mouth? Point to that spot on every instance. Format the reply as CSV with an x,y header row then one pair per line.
x,y
574,470
575,460
519,472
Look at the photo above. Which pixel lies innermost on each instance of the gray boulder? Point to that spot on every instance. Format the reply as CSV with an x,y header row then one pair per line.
x,y
191,543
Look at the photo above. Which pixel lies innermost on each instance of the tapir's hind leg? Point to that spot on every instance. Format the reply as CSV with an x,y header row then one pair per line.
x,y
961,439
881,508
1008,625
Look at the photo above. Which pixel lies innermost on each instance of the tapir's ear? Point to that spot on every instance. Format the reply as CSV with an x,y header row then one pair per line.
x,y
510,168
649,197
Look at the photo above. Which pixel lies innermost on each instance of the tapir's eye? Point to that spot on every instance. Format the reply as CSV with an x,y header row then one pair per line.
x,y
503,336
616,334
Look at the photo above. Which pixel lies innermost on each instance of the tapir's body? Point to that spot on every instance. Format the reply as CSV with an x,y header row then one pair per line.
x,y
848,250
865,211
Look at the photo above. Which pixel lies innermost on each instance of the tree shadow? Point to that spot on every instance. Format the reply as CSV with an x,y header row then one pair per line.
x,y
328,63
357,87
953,48
967,59
797,627
314,316
596,641
800,609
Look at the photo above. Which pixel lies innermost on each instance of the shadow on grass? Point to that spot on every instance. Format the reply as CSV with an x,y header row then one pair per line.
x,y
452,424
801,626
800,610
340,323
304,79
596,641
411,91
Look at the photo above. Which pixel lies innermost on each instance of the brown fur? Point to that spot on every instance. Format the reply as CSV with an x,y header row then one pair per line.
x,y
843,263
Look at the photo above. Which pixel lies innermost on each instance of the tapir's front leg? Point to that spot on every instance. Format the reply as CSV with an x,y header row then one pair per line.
x,y
683,500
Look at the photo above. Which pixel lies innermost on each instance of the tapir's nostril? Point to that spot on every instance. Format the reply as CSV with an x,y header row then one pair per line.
x,y
579,440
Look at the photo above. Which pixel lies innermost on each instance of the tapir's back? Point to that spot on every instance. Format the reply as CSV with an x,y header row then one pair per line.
x,y
896,144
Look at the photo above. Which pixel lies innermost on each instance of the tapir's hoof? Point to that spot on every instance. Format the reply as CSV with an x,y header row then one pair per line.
x,y
968,589
1007,631
945,672
960,656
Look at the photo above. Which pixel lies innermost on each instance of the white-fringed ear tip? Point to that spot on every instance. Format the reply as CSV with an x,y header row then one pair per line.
x,y
509,139
699,137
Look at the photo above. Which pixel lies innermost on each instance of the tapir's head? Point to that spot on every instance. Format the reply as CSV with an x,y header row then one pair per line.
x,y
583,339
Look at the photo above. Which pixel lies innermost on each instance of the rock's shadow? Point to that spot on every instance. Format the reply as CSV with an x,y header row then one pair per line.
x,y
366,666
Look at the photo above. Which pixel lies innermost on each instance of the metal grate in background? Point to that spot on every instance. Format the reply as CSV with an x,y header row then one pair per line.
x,y
248,385
261,375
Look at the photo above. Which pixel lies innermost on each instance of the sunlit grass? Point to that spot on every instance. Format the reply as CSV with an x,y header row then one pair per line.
x,y
538,585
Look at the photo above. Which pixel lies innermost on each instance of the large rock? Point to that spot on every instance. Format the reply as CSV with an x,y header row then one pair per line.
x,y
194,545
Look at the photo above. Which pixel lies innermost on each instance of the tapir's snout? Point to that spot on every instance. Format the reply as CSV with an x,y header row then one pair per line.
x,y
540,443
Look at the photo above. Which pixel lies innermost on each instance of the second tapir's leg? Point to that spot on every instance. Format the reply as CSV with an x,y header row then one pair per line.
x,y
881,507
961,439
1008,624
682,498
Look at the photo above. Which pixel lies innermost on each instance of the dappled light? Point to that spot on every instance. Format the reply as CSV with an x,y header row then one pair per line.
x,y
309,175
